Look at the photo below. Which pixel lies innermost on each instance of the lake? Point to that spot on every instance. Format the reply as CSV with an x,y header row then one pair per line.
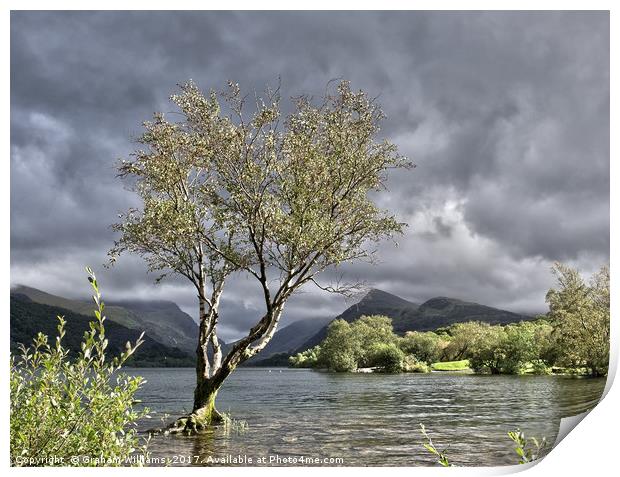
x,y
364,419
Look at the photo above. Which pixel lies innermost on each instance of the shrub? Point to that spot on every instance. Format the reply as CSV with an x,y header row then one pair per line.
x,y
426,346
388,357
306,359
486,351
342,361
540,367
74,413
412,365
349,346
530,449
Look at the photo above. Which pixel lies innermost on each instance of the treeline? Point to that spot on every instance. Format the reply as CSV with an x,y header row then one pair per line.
x,y
370,342
572,337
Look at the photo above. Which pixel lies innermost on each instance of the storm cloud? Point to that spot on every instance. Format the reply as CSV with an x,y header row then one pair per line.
x,y
505,114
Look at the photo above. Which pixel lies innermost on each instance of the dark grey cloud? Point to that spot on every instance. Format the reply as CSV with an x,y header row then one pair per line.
x,y
505,114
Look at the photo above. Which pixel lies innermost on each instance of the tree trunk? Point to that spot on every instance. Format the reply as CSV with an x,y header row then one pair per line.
x,y
204,412
202,357
212,372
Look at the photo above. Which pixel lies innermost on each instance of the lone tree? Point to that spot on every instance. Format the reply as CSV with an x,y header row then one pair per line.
x,y
224,192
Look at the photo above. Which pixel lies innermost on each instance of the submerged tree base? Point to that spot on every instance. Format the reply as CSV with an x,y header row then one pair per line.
x,y
196,422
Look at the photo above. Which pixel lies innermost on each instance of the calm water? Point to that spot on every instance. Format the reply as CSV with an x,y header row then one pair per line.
x,y
368,419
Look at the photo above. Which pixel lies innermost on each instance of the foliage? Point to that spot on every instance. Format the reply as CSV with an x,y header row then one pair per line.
x,y
306,359
367,333
63,409
528,449
277,199
349,346
386,356
338,350
485,351
442,458
572,338
412,365
510,349
462,337
526,347
579,312
425,346
340,361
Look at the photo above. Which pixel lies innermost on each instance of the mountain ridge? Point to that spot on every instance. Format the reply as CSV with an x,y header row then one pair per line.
x,y
434,313
29,318
164,321
166,324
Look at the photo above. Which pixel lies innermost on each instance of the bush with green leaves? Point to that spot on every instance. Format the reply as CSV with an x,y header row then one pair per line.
x,y
388,357
486,351
579,311
425,346
512,349
338,351
76,412
306,359
526,347
349,346
412,365
530,449
461,338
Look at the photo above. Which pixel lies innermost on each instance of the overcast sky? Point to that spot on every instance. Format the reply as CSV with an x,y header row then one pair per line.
x,y
505,114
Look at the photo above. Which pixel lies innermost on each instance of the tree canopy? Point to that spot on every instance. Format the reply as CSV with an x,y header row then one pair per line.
x,y
580,311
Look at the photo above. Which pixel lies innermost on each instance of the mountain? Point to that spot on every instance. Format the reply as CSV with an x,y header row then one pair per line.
x,y
166,322
163,321
441,311
28,318
375,302
408,316
291,337
278,360
286,340
172,334
82,307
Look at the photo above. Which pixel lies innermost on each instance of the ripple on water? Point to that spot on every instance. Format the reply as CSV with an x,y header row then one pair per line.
x,y
370,419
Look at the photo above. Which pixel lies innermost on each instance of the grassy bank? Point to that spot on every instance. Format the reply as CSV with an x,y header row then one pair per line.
x,y
462,365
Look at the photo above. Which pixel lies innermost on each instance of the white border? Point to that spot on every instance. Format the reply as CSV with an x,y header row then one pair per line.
x,y
590,449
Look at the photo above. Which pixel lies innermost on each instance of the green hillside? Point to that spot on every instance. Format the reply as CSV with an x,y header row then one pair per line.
x,y
29,317
163,321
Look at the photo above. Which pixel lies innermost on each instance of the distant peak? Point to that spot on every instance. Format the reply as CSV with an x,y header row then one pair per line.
x,y
377,292
376,295
440,302
18,287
